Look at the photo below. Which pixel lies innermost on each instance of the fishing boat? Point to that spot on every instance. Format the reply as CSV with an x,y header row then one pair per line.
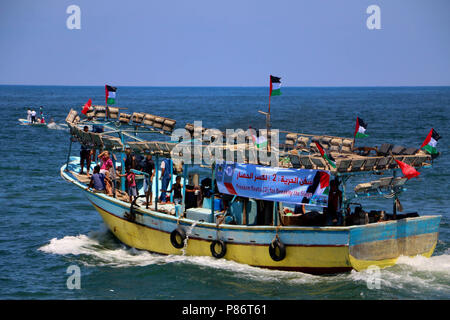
x,y
38,123
246,210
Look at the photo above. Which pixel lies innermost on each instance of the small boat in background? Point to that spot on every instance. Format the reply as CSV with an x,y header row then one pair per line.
x,y
38,123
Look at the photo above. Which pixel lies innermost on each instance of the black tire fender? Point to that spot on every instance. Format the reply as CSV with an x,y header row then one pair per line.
x,y
223,249
175,236
277,250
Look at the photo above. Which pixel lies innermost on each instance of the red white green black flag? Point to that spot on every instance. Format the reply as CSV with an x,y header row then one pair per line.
x,y
110,94
326,155
429,145
275,86
360,129
259,142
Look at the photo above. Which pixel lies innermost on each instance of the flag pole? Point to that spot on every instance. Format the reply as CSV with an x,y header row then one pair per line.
x,y
268,124
354,134
106,101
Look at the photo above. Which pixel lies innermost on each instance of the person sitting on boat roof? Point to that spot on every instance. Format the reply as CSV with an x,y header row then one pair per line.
x,y
97,180
148,166
176,189
131,184
332,212
165,179
85,155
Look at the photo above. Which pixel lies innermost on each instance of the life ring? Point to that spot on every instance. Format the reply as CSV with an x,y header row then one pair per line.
x,y
177,238
223,249
277,250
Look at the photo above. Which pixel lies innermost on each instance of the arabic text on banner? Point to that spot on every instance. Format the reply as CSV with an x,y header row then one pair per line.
x,y
274,184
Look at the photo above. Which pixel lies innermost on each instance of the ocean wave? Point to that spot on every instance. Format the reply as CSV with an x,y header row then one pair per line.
x,y
415,274
100,248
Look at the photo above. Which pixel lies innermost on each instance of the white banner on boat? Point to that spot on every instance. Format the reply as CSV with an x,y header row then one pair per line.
x,y
274,184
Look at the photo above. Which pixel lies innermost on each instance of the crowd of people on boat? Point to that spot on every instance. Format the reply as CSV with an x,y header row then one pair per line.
x,y
105,174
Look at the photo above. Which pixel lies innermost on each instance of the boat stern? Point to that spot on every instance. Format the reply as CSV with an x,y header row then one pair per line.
x,y
381,244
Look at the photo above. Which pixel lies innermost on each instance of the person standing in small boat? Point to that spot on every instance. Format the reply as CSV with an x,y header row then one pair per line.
x,y
85,155
165,179
33,116
41,115
148,166
29,115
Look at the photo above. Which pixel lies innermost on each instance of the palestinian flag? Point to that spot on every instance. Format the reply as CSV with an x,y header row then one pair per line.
x,y
325,155
324,186
360,128
429,145
275,86
408,171
259,142
86,107
110,94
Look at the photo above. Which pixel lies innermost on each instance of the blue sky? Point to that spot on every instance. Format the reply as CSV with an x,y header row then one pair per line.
x,y
225,43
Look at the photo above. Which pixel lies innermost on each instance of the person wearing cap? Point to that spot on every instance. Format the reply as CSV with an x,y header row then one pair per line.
x,y
85,155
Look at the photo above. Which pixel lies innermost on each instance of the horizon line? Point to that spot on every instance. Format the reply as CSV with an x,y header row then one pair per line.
x,y
229,86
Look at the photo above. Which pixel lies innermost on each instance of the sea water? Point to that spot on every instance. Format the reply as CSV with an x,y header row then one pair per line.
x,y
48,226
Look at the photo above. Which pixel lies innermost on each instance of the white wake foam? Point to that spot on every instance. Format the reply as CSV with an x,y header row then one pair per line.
x,y
55,126
101,249
415,274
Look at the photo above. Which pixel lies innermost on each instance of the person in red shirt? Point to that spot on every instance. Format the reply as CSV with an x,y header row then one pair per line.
x,y
131,183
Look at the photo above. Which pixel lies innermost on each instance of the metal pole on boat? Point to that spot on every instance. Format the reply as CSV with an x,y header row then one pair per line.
x,y
113,178
68,155
157,184
275,215
184,188
244,211
171,179
212,187
269,142
122,163
394,209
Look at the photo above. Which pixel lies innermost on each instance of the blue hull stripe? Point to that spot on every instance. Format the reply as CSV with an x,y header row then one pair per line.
x,y
394,230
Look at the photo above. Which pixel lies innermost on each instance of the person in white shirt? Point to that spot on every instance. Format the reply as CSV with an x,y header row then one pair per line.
x,y
33,116
29,115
